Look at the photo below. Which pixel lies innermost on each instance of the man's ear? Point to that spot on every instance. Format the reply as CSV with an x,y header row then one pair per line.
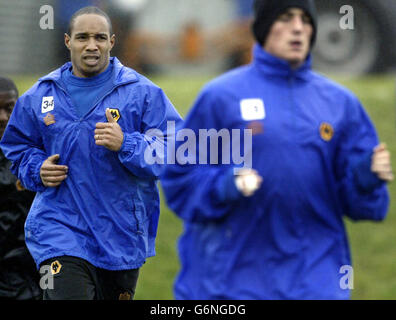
x,y
112,41
67,41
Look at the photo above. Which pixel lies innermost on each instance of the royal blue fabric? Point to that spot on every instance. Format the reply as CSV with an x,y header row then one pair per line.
x,y
288,241
86,92
107,209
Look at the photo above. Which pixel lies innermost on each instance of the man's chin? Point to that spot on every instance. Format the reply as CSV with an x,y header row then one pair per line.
x,y
87,69
297,57
90,71
296,62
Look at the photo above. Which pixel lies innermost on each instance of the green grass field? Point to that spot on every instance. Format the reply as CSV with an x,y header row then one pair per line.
x,y
373,245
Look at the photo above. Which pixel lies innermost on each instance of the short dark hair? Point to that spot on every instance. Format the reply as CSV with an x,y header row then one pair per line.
x,y
6,84
89,10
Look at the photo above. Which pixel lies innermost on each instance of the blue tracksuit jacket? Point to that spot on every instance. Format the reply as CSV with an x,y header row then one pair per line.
x,y
107,209
312,142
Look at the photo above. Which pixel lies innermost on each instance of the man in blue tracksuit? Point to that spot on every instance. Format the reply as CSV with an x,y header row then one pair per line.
x,y
275,230
78,138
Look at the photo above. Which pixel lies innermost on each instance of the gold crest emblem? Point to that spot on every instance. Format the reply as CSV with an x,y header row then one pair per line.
x,y
49,119
125,296
55,267
115,113
19,186
326,131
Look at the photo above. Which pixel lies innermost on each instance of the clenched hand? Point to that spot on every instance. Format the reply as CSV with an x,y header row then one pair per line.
x,y
52,174
248,181
109,134
381,163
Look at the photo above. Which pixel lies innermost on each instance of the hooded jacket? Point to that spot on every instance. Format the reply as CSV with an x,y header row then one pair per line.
x,y
312,142
107,209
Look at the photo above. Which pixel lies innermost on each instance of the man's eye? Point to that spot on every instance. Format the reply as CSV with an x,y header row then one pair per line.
x,y
284,17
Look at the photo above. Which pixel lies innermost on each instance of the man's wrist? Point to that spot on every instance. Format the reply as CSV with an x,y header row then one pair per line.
x,y
365,179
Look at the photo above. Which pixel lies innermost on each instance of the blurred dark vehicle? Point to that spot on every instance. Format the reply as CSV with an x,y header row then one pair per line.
x,y
369,47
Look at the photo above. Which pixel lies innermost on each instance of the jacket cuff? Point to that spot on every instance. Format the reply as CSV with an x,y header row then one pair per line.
x,y
128,145
225,187
365,180
39,186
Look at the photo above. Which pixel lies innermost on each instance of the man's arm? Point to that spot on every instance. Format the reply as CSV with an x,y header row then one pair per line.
x,y
364,168
205,192
133,148
23,145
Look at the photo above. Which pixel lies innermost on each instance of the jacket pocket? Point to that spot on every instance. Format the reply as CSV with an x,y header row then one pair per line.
x,y
136,216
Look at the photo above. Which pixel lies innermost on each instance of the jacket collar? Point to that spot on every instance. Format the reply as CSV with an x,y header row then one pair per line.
x,y
121,74
275,67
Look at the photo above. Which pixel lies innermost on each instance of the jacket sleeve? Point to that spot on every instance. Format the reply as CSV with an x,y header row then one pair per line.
x,y
364,196
144,153
199,192
23,146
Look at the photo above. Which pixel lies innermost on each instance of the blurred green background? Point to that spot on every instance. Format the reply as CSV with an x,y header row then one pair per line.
x,y
373,245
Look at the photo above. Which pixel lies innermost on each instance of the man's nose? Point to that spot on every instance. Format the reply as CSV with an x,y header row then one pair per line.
x,y
4,115
297,24
92,45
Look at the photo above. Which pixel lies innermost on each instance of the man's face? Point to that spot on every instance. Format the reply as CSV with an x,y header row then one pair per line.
x,y
290,37
90,44
7,103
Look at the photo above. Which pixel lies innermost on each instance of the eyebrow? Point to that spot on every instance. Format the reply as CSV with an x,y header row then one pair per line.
x,y
290,12
9,94
7,103
87,33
